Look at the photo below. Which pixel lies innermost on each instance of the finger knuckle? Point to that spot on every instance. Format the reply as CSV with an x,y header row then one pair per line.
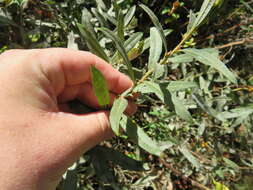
x,y
102,123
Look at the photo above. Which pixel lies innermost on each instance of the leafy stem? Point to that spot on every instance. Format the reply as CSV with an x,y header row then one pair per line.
x,y
167,55
148,73
179,46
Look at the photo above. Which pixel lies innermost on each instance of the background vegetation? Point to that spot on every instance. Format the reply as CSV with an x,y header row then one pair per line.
x,y
194,85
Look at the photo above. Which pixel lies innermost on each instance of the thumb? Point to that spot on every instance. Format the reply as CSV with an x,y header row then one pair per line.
x,y
75,134
63,137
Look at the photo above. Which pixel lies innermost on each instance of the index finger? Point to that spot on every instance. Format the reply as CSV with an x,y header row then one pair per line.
x,y
66,67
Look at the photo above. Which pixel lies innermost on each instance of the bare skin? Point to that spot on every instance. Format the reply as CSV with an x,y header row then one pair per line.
x,y
39,139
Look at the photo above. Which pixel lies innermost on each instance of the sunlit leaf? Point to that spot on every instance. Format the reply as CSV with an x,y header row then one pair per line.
x,y
103,5
147,40
182,58
180,108
156,23
100,88
109,17
155,50
150,87
129,15
160,71
158,89
175,86
188,155
205,9
192,18
211,60
116,114
242,112
138,136
213,51
230,163
71,41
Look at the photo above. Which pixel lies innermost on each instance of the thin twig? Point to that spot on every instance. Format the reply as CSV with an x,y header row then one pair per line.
x,y
243,41
178,173
201,157
146,76
167,55
222,57
178,47
226,30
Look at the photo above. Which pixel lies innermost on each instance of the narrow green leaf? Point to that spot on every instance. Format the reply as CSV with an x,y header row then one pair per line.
x,y
93,43
100,87
120,48
132,41
138,136
211,60
120,26
116,114
129,44
156,23
155,50
182,58
150,87
230,163
247,5
201,103
242,112
101,4
160,71
213,51
201,129
161,91
109,18
202,14
188,155
192,18
174,86
129,15
180,108
100,17
204,11
147,40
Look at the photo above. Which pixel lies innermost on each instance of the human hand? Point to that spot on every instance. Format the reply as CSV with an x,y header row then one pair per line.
x,y
38,140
